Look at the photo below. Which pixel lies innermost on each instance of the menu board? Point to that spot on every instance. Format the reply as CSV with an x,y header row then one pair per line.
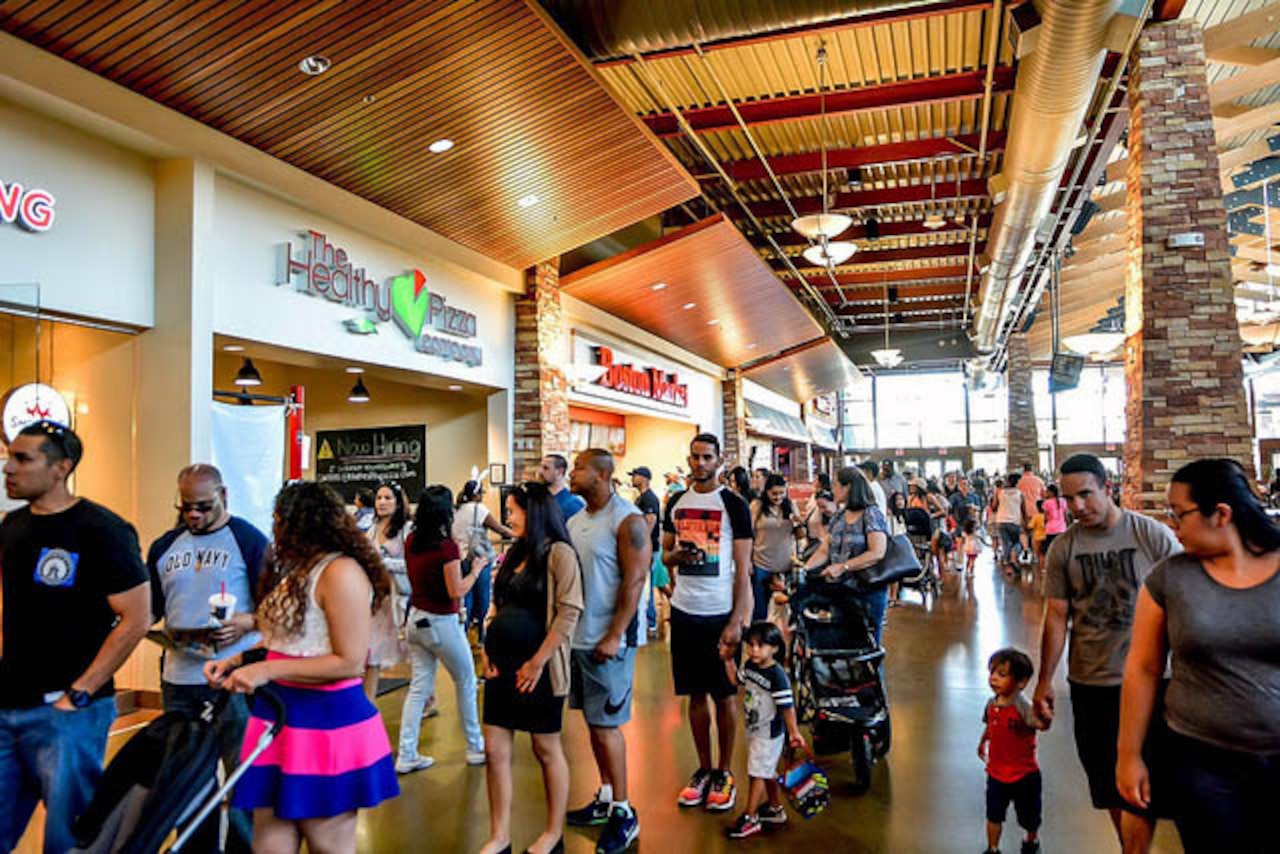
x,y
362,458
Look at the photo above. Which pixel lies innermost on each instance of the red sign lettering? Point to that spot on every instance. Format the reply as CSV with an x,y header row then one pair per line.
x,y
654,384
32,209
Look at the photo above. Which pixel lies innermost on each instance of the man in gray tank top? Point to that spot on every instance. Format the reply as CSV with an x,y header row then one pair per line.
x,y
613,545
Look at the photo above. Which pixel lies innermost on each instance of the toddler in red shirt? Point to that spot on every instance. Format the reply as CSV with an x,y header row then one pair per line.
x,y
1008,747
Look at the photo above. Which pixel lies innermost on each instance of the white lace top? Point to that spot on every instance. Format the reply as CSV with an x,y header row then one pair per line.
x,y
313,640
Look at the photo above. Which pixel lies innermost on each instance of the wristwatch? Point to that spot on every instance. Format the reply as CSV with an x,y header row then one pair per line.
x,y
79,699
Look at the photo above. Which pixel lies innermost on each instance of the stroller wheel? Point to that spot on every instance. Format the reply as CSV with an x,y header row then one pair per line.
x,y
863,761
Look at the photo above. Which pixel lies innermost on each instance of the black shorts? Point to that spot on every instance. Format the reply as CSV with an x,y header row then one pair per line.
x,y
1024,794
696,665
1096,710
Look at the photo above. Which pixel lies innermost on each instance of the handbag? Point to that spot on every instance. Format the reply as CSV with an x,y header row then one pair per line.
x,y
899,562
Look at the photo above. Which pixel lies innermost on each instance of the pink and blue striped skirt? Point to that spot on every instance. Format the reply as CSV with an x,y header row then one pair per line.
x,y
332,756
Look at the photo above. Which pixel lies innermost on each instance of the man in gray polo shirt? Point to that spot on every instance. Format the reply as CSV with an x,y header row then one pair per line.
x,y
1093,574
614,548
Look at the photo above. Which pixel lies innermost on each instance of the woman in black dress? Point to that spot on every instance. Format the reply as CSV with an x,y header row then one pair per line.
x,y
537,599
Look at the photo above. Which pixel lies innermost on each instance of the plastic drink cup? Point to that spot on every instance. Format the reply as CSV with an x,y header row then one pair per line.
x,y
222,606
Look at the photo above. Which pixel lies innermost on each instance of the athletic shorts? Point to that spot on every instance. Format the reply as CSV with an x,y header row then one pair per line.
x,y
602,689
1024,794
1096,712
763,754
696,665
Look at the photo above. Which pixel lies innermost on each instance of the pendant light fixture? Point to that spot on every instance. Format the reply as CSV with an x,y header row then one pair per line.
x,y
359,393
248,374
934,220
829,254
826,226
888,357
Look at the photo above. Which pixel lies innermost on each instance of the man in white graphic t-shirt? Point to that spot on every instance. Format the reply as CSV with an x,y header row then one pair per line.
x,y
707,543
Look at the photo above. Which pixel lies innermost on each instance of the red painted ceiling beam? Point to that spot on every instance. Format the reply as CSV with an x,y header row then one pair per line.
x,y
867,155
965,85
887,229
913,253
850,22
971,189
880,277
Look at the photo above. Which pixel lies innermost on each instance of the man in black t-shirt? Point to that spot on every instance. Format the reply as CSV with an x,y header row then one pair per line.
x,y
76,602
647,501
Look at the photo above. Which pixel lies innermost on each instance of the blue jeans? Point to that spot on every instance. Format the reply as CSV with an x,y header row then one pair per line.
x,y
229,727
876,603
52,756
476,602
444,639
1010,541
761,589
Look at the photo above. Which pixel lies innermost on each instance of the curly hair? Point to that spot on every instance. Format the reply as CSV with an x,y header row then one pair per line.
x,y
311,521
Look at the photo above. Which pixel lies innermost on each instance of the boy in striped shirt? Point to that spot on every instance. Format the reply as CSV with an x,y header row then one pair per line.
x,y
771,721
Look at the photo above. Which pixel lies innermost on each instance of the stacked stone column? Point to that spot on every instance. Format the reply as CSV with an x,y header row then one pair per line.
x,y
1182,351
735,419
541,420
1023,438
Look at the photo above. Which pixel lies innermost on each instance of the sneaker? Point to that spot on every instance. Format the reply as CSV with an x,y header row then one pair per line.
x,y
622,830
723,794
1030,847
592,815
746,825
772,815
475,757
418,763
431,711
695,794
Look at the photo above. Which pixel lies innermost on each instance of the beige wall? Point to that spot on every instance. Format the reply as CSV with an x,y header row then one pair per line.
x,y
659,444
457,423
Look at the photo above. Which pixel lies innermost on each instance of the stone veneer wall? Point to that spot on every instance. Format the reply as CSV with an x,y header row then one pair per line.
x,y
734,440
541,420
1182,352
1024,440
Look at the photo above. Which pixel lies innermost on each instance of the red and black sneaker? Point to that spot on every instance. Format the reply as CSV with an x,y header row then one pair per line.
x,y
746,825
723,794
695,794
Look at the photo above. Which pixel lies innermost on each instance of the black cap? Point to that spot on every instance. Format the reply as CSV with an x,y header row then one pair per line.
x,y
643,471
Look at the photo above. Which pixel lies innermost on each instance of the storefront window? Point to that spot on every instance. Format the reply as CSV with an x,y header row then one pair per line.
x,y
859,415
1090,413
1266,395
988,418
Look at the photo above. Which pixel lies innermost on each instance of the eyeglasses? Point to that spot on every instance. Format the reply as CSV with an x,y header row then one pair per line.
x,y
195,506
1175,517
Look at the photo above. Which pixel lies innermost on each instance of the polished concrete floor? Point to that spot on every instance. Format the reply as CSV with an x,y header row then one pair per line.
x,y
927,795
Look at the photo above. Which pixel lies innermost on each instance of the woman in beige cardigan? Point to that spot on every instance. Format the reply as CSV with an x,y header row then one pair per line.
x,y
537,599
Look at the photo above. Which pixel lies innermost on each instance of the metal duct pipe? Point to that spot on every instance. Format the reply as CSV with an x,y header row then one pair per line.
x,y
1054,88
625,27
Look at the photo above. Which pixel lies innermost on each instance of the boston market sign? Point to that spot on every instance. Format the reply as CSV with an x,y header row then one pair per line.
x,y
651,383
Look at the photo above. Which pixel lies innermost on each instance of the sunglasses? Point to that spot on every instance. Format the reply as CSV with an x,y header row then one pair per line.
x,y
195,506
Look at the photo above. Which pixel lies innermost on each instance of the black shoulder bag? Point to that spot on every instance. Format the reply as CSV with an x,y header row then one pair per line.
x,y
899,562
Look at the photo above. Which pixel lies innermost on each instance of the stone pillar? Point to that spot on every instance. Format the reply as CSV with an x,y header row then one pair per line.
x,y
1024,441
802,464
540,424
735,419
1185,385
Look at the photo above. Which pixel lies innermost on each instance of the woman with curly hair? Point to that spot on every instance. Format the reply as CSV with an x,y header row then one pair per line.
x,y
321,586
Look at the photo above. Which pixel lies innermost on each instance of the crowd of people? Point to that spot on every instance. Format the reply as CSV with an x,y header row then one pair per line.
x,y
588,576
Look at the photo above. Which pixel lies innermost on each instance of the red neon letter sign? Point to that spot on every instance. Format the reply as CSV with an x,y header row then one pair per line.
x,y
32,209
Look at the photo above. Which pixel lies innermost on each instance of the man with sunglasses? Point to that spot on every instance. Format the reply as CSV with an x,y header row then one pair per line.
x,y
208,553
75,606
1093,574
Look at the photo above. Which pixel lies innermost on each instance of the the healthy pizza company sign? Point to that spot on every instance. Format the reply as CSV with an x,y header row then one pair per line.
x,y
29,207
323,270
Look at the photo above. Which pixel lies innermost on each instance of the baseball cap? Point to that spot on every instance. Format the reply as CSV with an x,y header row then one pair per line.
x,y
643,471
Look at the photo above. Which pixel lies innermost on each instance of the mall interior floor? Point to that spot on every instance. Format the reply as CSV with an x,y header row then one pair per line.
x,y
927,796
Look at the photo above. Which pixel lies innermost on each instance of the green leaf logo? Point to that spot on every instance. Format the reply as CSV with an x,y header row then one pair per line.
x,y
409,302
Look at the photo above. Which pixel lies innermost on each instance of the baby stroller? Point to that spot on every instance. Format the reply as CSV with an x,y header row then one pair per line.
x,y
920,531
166,778
835,672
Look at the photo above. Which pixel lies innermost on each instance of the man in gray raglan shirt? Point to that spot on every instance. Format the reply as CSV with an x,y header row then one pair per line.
x,y
1093,575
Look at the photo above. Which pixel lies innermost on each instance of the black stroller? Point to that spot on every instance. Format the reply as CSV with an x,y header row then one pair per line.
x,y
835,672
920,531
166,778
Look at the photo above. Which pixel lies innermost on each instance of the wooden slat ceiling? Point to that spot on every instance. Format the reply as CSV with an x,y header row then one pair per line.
x,y
528,116
740,311
807,373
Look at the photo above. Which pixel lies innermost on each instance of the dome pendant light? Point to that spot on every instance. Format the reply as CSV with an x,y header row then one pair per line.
x,y
833,254
826,226
248,374
359,393
889,357
934,220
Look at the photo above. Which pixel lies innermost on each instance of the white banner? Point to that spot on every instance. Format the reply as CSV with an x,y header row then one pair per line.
x,y
248,447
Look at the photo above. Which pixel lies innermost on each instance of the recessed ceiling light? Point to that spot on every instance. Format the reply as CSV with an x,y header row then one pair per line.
x,y
713,321
659,286
527,201
234,348
355,370
368,99
455,388
786,367
690,305
440,146
752,345
314,64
